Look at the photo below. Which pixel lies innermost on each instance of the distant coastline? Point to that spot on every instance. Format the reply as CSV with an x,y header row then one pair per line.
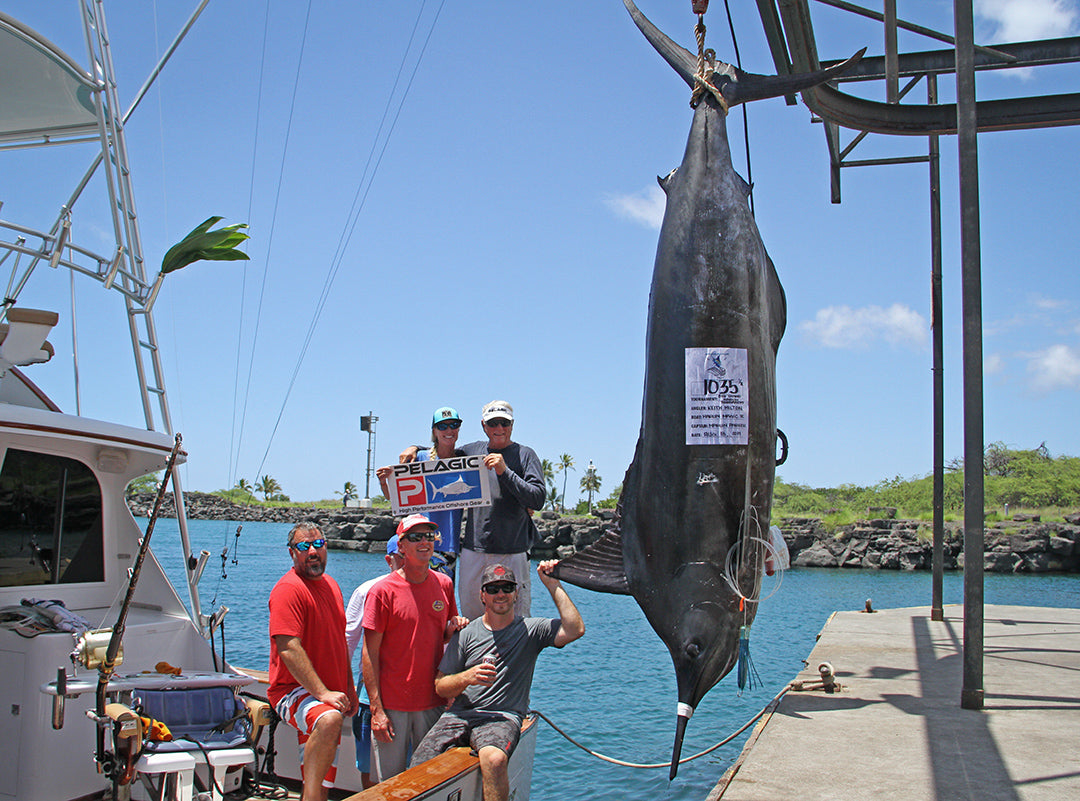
x,y
1026,545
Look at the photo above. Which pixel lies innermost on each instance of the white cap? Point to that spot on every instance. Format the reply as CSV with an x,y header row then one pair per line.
x,y
497,409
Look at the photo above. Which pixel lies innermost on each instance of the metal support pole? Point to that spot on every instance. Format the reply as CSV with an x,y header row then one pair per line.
x,y
971,695
938,562
368,424
892,60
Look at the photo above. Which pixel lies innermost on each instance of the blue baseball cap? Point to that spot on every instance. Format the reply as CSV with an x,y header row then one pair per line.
x,y
391,544
445,413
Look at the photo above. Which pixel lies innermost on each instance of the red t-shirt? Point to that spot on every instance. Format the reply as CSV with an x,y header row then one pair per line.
x,y
412,619
313,610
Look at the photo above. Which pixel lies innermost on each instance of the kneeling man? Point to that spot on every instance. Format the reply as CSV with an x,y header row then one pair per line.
x,y
488,669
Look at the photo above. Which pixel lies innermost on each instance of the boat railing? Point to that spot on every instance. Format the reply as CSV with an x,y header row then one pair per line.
x,y
50,248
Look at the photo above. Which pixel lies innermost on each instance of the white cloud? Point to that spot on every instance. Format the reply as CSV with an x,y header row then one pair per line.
x,y
1038,312
993,364
1048,304
1027,20
645,207
844,327
1056,367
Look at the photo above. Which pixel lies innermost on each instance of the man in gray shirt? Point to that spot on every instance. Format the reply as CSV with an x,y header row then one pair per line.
x,y
488,669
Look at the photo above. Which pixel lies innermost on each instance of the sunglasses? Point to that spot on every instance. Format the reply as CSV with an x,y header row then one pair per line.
x,y
451,424
506,587
304,546
416,536
499,423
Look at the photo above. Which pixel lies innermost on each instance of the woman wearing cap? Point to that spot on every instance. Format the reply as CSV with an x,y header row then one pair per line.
x,y
445,427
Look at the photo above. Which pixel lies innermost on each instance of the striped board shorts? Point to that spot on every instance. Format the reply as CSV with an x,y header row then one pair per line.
x,y
301,710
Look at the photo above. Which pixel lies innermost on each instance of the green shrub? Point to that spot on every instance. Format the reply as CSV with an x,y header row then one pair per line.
x,y
1026,480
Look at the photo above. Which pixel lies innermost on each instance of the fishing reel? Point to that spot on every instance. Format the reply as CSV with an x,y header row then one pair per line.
x,y
92,647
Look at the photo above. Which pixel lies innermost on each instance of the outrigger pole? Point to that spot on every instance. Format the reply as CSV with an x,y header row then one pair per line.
x,y
108,664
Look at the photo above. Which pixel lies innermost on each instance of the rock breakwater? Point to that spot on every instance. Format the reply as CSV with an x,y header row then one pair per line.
x,y
1019,546
368,529
1026,545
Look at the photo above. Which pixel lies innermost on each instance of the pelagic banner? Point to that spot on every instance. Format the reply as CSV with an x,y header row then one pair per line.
x,y
459,482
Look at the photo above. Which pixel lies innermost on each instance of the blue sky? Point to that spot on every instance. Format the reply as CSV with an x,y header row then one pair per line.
x,y
504,244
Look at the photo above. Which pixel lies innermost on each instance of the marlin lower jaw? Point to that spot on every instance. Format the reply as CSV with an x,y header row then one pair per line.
x,y
685,712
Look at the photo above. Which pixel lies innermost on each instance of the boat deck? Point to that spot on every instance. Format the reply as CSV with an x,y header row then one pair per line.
x,y
896,730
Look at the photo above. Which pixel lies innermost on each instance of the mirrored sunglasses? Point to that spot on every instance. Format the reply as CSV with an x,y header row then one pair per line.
x,y
304,546
445,424
416,536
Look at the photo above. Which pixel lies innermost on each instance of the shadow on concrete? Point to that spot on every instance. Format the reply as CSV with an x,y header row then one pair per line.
x,y
966,761
796,704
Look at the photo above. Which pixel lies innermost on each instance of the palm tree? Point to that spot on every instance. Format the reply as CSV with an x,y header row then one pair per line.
x,y
590,483
549,477
552,496
242,491
268,486
566,463
347,493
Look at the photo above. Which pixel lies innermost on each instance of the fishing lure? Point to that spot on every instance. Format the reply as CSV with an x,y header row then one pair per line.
x,y
746,672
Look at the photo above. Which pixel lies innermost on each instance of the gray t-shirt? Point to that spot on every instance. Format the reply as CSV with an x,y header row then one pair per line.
x,y
515,648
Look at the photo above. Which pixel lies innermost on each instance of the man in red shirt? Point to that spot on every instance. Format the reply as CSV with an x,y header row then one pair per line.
x,y
311,683
408,617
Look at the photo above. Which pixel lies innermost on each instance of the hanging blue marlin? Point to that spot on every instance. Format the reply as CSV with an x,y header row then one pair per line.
x,y
695,506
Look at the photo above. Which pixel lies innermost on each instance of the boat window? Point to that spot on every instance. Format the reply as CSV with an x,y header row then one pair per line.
x,y
50,521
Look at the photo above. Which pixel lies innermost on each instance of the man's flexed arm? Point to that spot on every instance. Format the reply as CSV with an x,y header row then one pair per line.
x,y
572,626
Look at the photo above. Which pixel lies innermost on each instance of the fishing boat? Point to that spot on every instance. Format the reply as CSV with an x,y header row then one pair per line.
x,y
84,671
106,697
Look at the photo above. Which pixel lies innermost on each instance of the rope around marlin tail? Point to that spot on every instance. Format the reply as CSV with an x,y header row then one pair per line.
x,y
706,63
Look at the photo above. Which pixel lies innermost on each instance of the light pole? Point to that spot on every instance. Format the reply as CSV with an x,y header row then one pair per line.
x,y
367,423
590,472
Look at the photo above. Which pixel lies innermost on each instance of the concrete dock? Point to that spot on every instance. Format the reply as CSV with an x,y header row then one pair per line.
x,y
895,729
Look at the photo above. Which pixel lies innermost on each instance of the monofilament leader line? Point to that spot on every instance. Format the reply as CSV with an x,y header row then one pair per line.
x,y
769,706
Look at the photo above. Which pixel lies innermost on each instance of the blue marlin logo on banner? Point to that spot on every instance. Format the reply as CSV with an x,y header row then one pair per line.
x,y
458,487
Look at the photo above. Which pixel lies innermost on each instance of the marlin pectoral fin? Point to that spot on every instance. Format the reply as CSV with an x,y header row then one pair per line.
x,y
598,567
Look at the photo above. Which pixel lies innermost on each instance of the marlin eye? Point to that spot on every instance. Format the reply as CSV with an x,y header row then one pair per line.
x,y
693,650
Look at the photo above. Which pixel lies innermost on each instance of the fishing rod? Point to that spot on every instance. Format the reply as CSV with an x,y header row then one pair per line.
x,y
108,664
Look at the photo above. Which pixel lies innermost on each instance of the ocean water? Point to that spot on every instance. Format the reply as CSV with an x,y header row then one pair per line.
x,y
614,690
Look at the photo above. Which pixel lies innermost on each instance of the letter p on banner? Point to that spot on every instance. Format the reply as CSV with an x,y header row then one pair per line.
x,y
408,491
